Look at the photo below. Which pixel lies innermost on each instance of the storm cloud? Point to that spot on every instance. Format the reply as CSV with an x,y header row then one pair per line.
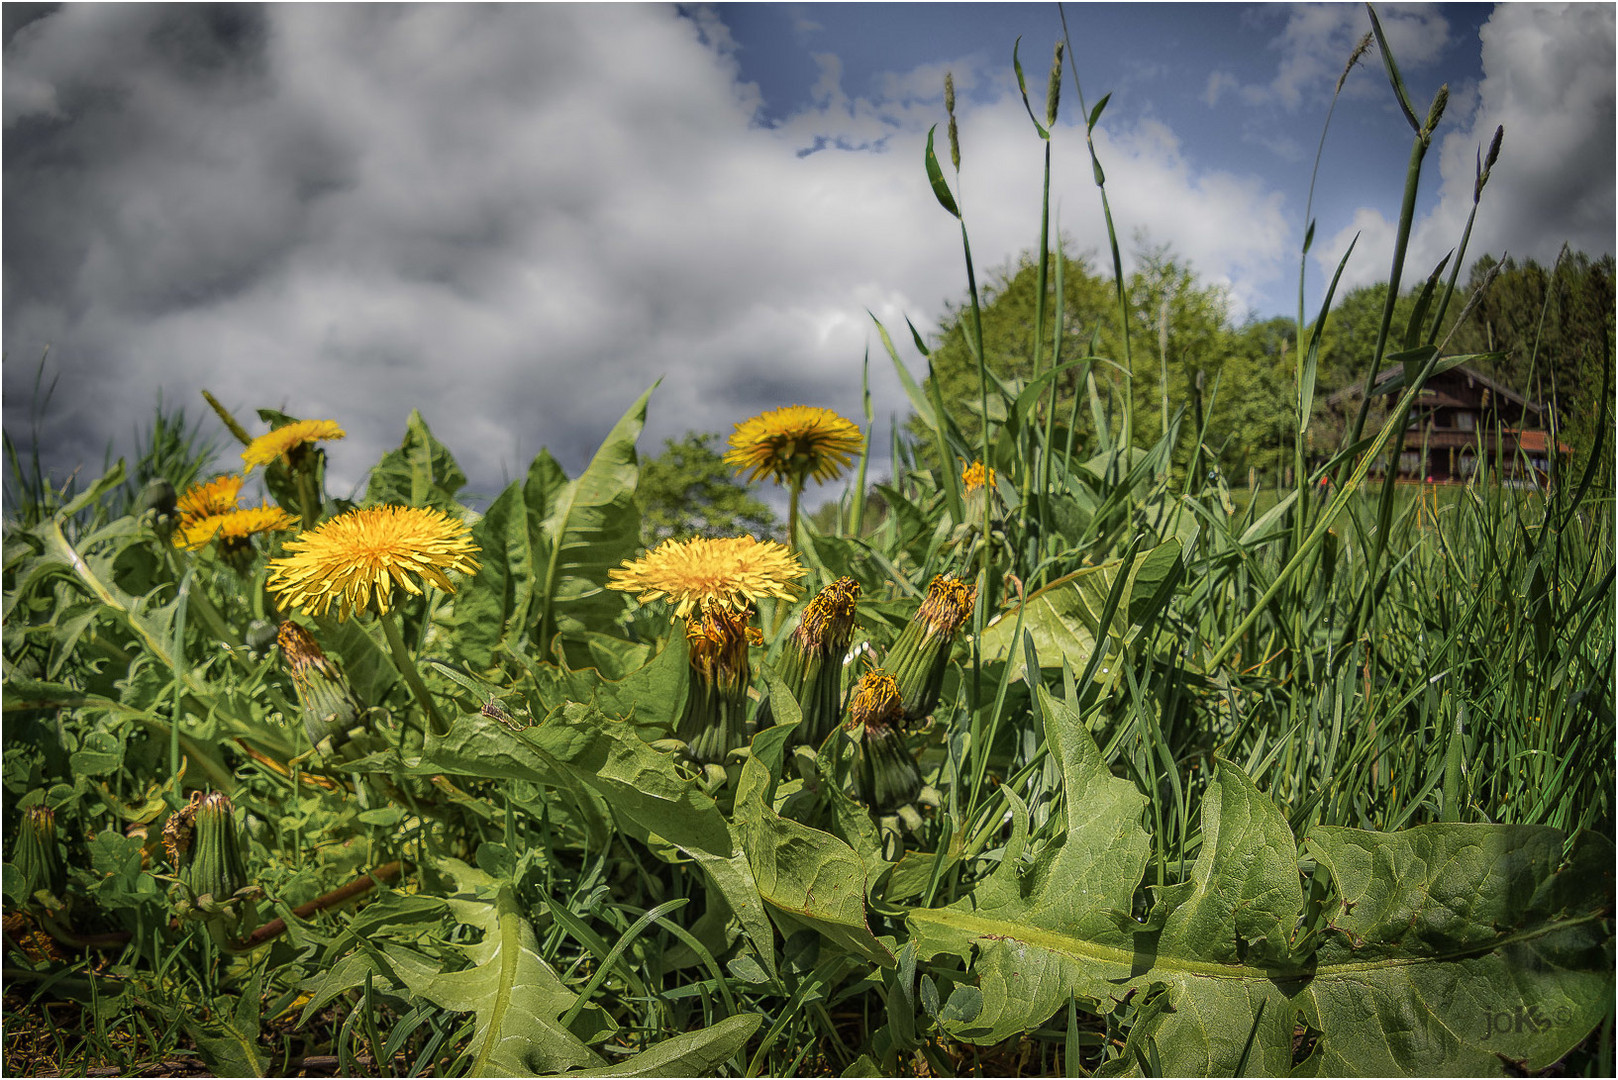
x,y
515,219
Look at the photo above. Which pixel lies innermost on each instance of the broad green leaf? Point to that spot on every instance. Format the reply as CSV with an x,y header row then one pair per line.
x,y
580,747
1450,949
515,995
1065,616
592,525
498,596
228,1043
810,875
695,1053
421,472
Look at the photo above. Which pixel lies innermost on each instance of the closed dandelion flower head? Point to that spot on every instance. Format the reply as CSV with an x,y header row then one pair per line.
x,y
877,702
718,640
220,495
354,561
703,573
233,527
975,476
948,605
828,621
272,447
789,444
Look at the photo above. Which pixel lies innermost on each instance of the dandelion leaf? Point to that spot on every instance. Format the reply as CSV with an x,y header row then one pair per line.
x,y
1065,616
516,997
1470,949
694,1053
421,472
579,747
810,877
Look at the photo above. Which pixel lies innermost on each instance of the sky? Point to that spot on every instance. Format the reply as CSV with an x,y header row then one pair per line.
x,y
517,218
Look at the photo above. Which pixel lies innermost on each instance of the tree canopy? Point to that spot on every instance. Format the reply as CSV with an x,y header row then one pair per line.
x,y
688,490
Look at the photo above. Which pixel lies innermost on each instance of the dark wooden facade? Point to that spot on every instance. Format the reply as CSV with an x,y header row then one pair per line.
x,y
1462,417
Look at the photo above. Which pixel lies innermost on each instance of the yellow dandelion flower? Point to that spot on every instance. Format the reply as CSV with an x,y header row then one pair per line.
x,y
232,527
356,560
702,573
975,476
948,605
220,495
278,444
792,443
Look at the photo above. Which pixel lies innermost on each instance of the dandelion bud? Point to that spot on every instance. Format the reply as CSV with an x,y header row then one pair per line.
x,y
1053,91
202,839
331,712
885,776
714,721
921,655
812,664
35,856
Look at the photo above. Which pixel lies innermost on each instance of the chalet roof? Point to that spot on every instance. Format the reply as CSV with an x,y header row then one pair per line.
x,y
1391,370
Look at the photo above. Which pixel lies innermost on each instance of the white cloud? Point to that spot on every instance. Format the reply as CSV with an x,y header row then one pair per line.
x,y
1549,80
1318,39
514,219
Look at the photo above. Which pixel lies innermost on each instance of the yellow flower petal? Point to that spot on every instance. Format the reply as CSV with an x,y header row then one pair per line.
x,y
272,447
787,445
359,557
702,573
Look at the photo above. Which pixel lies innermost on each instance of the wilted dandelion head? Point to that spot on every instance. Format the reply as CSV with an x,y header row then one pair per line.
x,y
233,528
975,476
220,495
704,573
877,702
794,442
355,560
717,639
948,605
299,650
828,621
272,447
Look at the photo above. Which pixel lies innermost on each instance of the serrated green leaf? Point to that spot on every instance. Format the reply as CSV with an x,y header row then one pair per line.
x,y
1454,949
515,996
229,1043
1064,617
809,875
695,1053
591,524
580,747
421,472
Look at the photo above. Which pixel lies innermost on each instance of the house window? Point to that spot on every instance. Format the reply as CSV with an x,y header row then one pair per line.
x,y
1466,421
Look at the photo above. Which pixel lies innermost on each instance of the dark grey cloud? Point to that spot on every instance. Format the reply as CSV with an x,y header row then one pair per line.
x,y
514,218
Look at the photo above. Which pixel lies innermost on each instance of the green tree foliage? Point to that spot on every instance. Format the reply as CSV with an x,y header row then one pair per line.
x,y
1555,327
688,490
1180,337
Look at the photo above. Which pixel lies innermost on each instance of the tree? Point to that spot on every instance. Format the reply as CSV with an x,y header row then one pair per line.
x,y
1555,328
1164,294
688,490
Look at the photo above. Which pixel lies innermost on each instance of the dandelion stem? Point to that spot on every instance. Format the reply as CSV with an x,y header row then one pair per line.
x,y
407,668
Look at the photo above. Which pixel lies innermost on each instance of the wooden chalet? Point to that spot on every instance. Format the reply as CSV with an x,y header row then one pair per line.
x,y
1462,417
